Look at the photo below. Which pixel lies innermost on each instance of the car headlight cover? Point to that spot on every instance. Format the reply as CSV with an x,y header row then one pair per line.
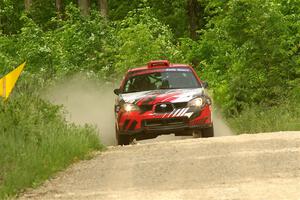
x,y
129,107
197,102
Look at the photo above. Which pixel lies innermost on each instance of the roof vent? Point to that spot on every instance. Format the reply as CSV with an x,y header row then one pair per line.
x,y
158,63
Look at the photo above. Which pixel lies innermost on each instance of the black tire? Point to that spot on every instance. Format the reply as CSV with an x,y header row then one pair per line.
x,y
208,132
123,139
197,134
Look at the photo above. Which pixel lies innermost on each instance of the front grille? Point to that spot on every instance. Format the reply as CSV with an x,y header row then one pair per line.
x,y
163,108
180,105
169,107
168,123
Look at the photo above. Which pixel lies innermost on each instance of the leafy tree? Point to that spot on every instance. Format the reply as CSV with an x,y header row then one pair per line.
x,y
140,37
248,52
172,13
10,13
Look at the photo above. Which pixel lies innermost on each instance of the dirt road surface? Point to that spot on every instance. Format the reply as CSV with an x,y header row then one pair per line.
x,y
261,167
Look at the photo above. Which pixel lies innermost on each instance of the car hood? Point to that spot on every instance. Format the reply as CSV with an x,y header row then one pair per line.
x,y
157,96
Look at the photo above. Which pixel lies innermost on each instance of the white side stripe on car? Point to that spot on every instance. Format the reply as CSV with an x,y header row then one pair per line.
x,y
171,113
164,115
177,112
183,112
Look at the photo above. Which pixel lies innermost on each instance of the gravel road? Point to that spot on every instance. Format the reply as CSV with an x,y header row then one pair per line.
x,y
262,166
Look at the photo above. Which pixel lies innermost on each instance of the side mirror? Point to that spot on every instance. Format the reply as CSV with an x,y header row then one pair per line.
x,y
117,91
205,84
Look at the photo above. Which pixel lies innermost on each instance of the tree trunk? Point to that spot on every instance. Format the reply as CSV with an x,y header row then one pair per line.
x,y
196,17
103,6
59,7
196,21
27,4
192,17
84,6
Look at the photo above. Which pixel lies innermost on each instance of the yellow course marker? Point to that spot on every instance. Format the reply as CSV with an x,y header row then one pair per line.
x,y
7,83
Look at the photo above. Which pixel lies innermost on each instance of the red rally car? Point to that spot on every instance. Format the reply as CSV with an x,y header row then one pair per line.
x,y
162,98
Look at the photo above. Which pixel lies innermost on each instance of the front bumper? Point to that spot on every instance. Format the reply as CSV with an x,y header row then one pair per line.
x,y
146,133
149,125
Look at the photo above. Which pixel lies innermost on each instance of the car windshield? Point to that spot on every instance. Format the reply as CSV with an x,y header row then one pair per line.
x,y
178,79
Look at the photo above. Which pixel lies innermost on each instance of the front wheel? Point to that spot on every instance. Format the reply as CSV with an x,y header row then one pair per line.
x,y
123,139
197,134
208,132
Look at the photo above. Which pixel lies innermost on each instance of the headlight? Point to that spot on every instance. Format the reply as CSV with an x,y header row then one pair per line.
x,y
129,107
197,102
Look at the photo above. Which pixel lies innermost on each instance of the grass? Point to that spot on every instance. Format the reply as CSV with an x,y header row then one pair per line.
x,y
258,119
36,142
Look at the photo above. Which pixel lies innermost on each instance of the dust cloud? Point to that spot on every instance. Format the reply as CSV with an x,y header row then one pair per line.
x,y
86,102
220,126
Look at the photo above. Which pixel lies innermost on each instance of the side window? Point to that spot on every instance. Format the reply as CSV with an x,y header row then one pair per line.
x,y
128,84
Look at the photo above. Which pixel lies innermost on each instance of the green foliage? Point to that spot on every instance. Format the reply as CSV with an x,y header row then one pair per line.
x,y
139,38
252,53
172,13
10,13
90,43
75,45
41,12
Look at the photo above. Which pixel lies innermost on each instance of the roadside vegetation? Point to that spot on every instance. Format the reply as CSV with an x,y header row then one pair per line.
x,y
248,51
251,56
36,141
259,119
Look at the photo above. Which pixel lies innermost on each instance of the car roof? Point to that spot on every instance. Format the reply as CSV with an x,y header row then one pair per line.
x,y
156,65
159,67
